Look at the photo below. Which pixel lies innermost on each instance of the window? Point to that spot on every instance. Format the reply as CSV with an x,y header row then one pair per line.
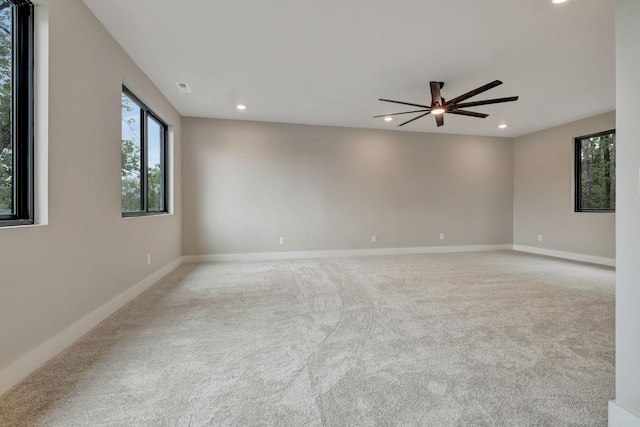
x,y
144,159
596,172
16,112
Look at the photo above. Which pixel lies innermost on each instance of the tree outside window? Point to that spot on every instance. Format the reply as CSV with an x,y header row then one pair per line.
x,y
596,172
144,160
6,94
16,112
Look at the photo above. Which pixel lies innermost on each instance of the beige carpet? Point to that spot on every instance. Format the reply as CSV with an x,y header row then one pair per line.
x,y
472,339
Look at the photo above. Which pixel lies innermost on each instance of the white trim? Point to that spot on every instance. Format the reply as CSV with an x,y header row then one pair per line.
x,y
620,417
28,363
267,256
611,262
41,113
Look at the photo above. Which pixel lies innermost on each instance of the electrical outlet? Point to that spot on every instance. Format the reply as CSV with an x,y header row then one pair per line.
x,y
441,236
148,259
282,240
539,237
374,239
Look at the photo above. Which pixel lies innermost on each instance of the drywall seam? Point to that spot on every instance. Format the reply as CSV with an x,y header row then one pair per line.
x,y
34,359
611,262
266,256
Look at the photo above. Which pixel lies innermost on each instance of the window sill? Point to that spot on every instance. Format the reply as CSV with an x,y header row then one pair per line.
x,y
14,226
147,215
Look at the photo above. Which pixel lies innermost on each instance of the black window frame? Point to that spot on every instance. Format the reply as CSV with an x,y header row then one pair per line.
x,y
577,145
22,115
145,113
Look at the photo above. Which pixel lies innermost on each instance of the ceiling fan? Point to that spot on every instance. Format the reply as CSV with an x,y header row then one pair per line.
x,y
439,106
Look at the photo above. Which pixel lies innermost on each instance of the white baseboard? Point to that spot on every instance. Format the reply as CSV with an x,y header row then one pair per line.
x,y
268,256
620,417
25,365
611,262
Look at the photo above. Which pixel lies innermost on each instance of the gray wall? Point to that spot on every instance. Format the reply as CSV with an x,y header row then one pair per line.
x,y
628,209
248,183
543,193
53,275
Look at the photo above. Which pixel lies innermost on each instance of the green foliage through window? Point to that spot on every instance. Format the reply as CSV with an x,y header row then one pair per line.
x,y
596,172
6,94
16,112
144,147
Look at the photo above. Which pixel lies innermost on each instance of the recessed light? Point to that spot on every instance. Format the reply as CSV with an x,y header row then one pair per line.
x,y
388,119
557,1
502,126
241,107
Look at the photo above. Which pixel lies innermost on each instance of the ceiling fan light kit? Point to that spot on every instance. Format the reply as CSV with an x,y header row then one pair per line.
x,y
439,105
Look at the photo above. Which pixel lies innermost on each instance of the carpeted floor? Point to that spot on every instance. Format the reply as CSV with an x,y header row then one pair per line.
x,y
469,339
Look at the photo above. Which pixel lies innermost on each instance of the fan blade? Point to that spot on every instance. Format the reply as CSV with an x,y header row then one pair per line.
x,y
404,103
395,114
415,118
468,113
439,119
474,92
436,99
485,102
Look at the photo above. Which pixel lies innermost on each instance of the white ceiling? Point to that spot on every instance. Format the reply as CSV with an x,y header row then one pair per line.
x,y
326,62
